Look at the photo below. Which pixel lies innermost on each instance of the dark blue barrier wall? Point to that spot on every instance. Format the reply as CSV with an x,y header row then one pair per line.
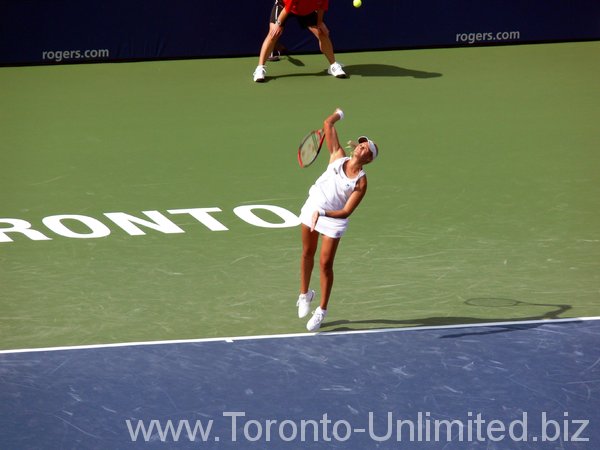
x,y
50,31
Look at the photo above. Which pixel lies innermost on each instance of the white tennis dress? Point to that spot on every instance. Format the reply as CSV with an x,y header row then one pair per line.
x,y
330,192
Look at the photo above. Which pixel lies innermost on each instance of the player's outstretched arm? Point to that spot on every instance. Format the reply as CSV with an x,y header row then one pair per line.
x,y
331,137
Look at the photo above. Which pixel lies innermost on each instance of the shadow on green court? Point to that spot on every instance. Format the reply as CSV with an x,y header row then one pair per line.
x,y
363,70
387,70
295,61
352,325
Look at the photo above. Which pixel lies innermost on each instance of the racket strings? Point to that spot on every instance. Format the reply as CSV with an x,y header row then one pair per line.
x,y
309,148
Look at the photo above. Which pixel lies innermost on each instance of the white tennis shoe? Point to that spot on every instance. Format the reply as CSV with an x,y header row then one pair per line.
x,y
303,303
336,70
317,318
259,74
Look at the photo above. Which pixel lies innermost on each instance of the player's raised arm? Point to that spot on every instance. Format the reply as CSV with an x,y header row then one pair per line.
x,y
331,137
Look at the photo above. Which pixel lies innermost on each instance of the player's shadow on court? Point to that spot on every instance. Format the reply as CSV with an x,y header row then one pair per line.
x,y
362,70
554,312
386,70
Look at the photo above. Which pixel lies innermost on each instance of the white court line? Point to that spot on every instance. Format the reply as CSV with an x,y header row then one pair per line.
x,y
294,335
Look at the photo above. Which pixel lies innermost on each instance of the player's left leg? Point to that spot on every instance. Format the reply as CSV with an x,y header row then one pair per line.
x,y
326,46
328,249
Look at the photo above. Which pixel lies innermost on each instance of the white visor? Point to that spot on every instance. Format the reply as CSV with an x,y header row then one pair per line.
x,y
372,145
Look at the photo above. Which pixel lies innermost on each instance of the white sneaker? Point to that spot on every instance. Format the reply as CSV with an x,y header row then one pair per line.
x,y
315,321
259,74
303,303
336,70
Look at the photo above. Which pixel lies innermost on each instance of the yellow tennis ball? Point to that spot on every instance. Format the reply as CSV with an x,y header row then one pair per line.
x,y
357,3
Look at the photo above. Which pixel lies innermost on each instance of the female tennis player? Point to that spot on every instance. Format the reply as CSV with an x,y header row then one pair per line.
x,y
331,200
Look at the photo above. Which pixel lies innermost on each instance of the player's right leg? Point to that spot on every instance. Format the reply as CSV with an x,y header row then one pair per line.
x,y
310,241
268,44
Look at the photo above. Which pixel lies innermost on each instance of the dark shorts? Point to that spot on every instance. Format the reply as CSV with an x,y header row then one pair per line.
x,y
309,20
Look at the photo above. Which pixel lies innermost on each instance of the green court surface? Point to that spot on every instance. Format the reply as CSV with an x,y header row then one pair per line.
x,y
487,188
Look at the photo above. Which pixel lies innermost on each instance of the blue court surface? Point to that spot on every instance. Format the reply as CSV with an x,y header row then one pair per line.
x,y
533,384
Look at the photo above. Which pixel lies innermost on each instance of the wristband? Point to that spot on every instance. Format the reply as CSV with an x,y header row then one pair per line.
x,y
340,113
321,211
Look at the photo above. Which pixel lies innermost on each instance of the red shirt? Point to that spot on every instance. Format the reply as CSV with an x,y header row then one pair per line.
x,y
305,7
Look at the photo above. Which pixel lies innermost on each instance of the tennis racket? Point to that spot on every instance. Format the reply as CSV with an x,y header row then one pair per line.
x,y
310,147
